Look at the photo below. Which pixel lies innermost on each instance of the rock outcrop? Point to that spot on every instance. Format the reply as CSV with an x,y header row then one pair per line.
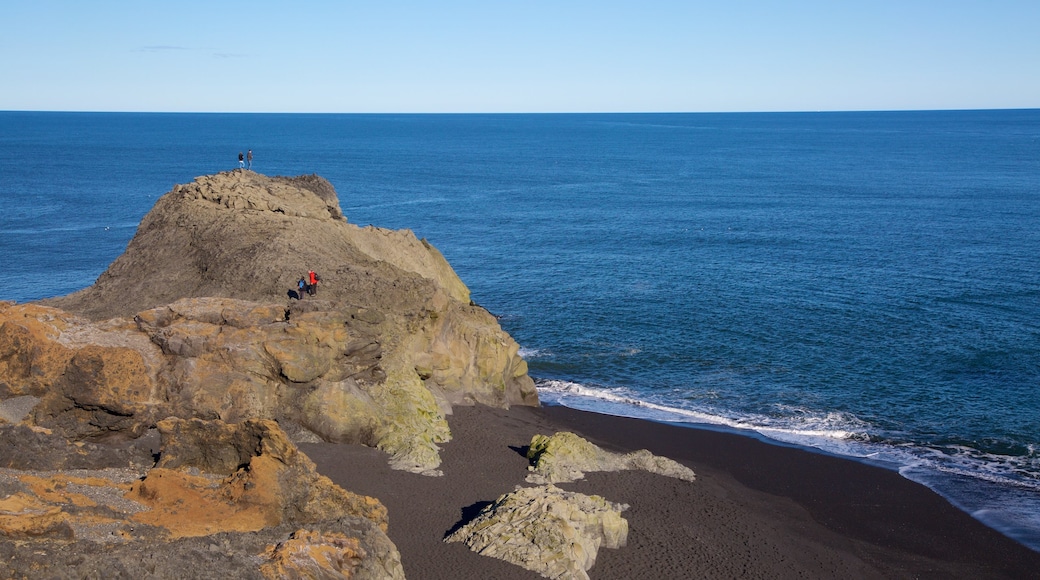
x,y
196,319
231,500
265,482
547,530
564,457
149,420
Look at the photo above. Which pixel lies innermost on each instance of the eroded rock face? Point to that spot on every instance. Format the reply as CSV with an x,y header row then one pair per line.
x,y
267,481
238,498
195,320
31,358
547,530
564,457
310,554
349,375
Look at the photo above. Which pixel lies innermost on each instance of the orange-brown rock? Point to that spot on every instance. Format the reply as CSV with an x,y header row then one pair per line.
x,y
264,481
194,335
26,516
246,483
31,358
310,554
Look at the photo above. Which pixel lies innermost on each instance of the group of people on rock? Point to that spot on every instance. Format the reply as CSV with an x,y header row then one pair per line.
x,y
245,161
308,284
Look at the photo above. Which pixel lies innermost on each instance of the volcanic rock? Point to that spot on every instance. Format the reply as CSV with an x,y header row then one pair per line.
x,y
226,500
564,457
198,318
149,420
547,530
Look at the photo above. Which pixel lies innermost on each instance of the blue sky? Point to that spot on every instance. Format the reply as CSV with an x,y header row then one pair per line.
x,y
519,56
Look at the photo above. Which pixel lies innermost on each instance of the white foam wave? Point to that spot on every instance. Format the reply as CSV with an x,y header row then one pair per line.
x,y
811,427
415,201
834,432
1003,491
1015,471
533,353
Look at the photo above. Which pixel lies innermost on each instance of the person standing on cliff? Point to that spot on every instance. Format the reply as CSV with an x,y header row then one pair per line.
x,y
313,279
241,160
249,159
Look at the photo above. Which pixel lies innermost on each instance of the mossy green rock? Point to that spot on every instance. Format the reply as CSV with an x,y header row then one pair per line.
x,y
565,456
553,532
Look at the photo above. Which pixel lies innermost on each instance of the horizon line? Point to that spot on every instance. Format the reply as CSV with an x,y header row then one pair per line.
x,y
448,113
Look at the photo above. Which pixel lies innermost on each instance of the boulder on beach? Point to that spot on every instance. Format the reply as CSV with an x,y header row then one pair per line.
x,y
547,530
564,457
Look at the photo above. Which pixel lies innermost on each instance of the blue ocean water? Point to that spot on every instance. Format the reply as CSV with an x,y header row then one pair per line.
x,y
867,284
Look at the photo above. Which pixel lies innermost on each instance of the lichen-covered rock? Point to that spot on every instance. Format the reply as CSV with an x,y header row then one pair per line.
x,y
330,555
265,481
233,500
547,530
195,332
24,516
31,358
196,319
247,556
347,376
565,456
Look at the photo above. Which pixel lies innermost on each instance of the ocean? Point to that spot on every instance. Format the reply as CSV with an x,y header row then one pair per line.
x,y
862,284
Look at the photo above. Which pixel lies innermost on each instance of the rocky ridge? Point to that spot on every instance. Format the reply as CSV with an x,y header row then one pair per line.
x,y
161,404
195,320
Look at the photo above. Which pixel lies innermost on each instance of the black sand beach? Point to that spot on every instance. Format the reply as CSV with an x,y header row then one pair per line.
x,y
757,510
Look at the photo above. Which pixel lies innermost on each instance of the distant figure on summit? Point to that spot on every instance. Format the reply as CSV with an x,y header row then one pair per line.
x,y
241,160
249,159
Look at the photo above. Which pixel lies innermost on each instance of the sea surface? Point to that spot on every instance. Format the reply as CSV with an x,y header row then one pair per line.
x,y
865,284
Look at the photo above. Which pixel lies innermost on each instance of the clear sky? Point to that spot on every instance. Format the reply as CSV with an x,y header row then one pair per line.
x,y
518,56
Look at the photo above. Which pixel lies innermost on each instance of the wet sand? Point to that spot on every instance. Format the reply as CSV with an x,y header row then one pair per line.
x,y
757,510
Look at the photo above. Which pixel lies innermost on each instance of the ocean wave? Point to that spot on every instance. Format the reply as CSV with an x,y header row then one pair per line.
x,y
88,227
835,432
1010,505
533,353
415,201
834,426
1017,471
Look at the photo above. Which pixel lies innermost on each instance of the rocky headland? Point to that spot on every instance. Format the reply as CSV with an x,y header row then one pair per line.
x,y
196,320
191,369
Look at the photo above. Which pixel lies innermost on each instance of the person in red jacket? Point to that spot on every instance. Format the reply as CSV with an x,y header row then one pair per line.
x,y
312,282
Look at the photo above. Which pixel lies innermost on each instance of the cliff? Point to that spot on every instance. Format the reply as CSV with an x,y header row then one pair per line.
x,y
196,336
197,320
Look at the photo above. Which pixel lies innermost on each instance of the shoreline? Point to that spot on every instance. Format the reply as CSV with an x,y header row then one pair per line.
x,y
757,509
1001,502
